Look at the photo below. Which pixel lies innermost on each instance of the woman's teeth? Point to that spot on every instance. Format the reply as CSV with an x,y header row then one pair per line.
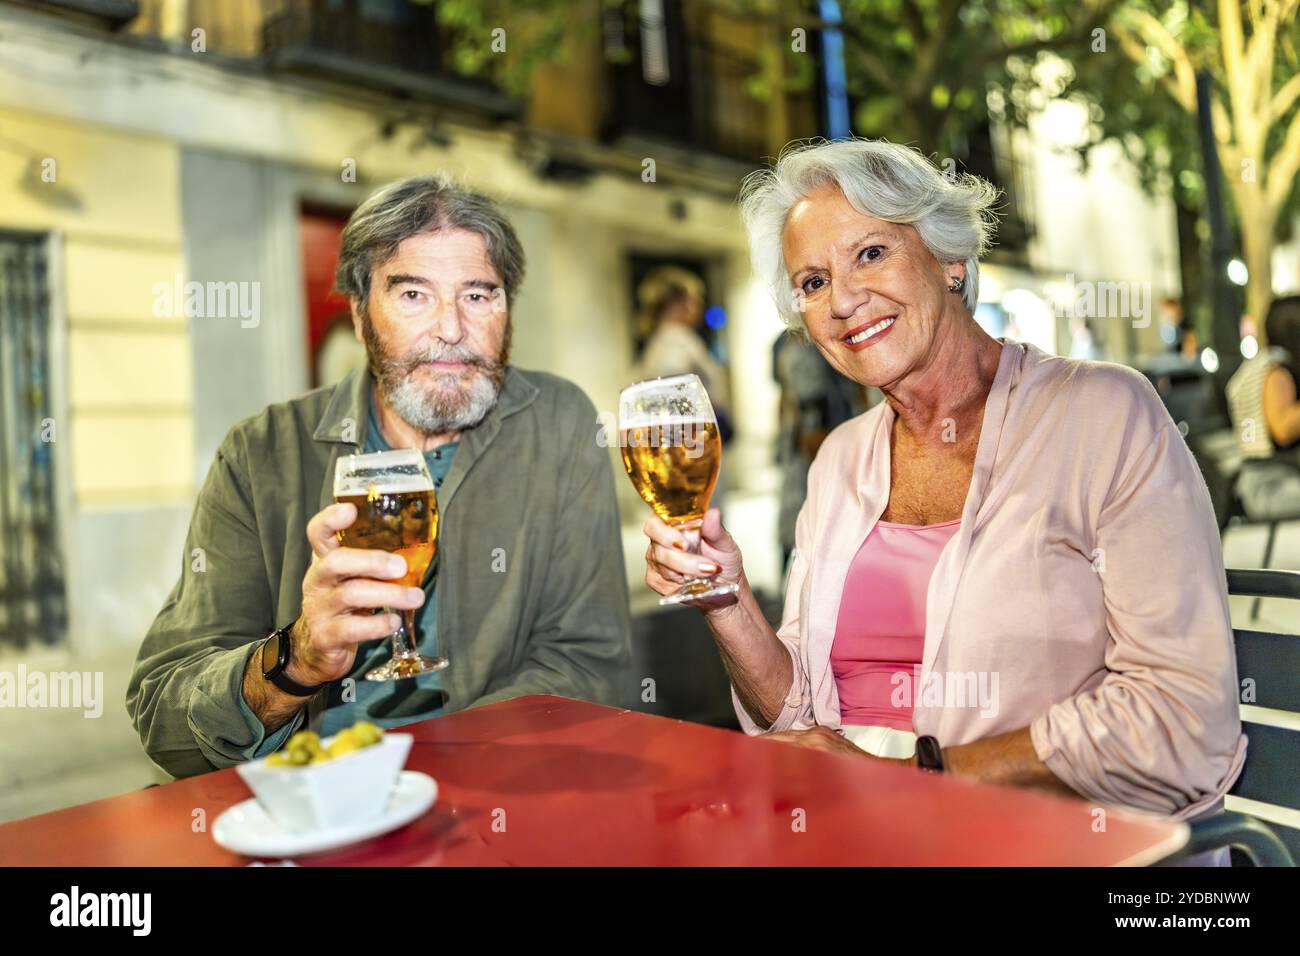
x,y
868,333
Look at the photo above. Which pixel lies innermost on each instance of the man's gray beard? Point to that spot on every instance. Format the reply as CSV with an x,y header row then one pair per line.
x,y
436,412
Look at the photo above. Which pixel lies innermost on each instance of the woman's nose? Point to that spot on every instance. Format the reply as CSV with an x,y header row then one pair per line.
x,y
847,297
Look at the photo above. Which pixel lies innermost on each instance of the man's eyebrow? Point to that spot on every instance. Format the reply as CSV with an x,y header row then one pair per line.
x,y
486,284
403,278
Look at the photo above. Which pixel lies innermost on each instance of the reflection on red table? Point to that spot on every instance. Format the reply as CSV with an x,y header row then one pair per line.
x,y
550,781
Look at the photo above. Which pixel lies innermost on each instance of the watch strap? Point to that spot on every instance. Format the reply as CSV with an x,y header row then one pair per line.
x,y
278,674
929,755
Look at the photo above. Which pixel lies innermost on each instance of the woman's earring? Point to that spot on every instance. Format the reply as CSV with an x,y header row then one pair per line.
x,y
957,285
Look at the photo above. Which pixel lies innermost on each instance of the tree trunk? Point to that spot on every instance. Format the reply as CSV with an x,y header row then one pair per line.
x,y
1257,248
1191,259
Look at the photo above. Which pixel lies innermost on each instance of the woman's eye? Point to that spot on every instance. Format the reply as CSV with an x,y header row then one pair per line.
x,y
872,253
813,284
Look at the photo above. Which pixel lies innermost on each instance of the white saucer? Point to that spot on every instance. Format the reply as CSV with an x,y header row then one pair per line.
x,y
246,828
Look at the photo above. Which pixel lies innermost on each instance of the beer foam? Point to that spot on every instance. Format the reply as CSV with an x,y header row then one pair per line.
x,y
384,483
678,401
652,420
389,472
655,384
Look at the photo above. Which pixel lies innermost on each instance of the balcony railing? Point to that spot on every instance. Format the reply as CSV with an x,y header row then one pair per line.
x,y
703,104
391,45
110,13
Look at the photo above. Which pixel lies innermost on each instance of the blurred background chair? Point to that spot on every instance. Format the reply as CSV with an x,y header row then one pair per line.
x,y
677,670
1268,667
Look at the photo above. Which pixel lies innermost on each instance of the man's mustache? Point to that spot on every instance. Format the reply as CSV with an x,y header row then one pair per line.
x,y
450,354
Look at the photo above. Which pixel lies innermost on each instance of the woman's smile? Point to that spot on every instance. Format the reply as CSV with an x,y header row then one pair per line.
x,y
865,336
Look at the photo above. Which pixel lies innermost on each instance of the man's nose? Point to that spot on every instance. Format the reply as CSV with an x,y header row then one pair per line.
x,y
448,325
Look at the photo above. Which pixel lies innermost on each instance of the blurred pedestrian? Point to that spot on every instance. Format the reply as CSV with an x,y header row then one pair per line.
x,y
814,400
672,310
1083,344
1266,417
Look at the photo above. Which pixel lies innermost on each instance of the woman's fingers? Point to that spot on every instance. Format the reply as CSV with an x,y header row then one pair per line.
x,y
659,532
660,578
712,530
670,561
681,562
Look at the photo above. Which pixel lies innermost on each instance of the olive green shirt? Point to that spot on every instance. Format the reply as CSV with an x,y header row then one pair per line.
x,y
532,597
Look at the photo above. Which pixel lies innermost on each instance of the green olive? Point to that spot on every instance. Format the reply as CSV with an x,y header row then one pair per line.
x,y
367,733
307,740
343,746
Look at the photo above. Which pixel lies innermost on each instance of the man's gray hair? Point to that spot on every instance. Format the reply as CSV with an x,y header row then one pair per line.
x,y
419,205
953,215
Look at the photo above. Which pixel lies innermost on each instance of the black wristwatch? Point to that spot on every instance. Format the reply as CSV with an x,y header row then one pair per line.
x,y
929,757
275,652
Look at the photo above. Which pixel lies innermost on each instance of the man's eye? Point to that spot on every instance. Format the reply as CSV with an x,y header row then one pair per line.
x,y
412,295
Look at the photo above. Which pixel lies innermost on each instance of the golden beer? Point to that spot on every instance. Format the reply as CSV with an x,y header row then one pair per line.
x,y
674,467
396,512
403,522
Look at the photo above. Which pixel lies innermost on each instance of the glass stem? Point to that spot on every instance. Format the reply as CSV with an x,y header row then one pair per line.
x,y
693,538
402,644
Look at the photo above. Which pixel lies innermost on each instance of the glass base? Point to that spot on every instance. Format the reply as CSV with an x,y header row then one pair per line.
x,y
698,591
408,665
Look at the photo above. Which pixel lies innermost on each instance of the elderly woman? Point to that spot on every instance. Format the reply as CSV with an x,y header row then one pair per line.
x,y
1010,569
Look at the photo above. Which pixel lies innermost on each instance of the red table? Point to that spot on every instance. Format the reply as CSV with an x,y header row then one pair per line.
x,y
576,783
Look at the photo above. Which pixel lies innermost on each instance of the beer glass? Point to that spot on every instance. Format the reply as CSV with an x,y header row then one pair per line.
x,y
397,512
672,451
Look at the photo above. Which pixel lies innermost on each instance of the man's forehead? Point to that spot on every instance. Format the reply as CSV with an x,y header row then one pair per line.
x,y
441,251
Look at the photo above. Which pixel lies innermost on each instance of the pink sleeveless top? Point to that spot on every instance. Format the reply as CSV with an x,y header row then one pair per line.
x,y
880,631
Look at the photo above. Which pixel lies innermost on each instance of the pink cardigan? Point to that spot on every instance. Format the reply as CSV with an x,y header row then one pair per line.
x,y
1083,595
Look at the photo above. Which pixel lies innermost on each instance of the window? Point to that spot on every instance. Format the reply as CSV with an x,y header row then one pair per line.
x,y
33,599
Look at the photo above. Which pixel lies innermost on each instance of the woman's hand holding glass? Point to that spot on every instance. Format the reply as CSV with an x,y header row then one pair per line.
x,y
669,563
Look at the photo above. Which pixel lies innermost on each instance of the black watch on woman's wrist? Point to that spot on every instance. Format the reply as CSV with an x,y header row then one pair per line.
x,y
275,651
929,756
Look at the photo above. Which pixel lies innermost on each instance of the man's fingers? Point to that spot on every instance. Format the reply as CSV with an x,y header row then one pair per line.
x,y
343,563
358,594
323,528
348,630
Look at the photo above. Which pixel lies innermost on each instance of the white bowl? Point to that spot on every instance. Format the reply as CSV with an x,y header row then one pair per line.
x,y
345,790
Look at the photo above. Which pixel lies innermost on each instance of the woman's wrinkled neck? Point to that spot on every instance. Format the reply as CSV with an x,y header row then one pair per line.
x,y
948,389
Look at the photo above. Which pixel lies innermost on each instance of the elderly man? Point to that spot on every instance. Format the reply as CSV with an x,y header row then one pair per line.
x,y
530,589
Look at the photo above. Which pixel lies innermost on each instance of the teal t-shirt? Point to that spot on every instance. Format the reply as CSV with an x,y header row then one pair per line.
x,y
396,702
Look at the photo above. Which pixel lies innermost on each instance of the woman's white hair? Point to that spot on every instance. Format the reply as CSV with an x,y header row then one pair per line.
x,y
953,215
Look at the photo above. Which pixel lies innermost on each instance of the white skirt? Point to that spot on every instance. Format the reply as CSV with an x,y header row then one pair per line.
x,y
881,741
